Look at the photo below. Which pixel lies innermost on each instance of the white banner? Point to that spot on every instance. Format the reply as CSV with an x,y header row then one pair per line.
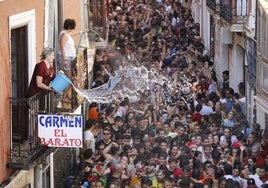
x,y
61,130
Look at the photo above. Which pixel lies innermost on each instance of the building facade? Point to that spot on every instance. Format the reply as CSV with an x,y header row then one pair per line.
x,y
27,26
232,32
261,96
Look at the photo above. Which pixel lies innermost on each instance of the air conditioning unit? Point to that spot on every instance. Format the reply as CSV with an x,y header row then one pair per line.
x,y
227,36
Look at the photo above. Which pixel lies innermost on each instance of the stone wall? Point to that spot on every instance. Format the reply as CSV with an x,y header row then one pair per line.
x,y
64,165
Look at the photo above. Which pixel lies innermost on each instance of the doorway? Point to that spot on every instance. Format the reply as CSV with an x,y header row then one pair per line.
x,y
19,82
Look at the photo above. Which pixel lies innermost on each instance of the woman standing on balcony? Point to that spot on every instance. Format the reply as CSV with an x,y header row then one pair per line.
x,y
66,54
67,50
43,73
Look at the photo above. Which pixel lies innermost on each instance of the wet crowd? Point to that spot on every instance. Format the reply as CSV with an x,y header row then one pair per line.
x,y
190,131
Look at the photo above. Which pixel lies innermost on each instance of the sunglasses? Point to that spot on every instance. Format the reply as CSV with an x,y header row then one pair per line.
x,y
106,133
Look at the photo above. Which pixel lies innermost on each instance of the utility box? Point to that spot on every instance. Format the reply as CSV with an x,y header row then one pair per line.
x,y
227,36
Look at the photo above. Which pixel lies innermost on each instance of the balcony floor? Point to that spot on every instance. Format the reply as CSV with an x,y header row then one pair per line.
x,y
25,155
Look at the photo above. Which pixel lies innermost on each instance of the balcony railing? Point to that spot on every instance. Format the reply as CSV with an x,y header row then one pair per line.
x,y
226,10
79,79
211,4
251,54
25,148
233,11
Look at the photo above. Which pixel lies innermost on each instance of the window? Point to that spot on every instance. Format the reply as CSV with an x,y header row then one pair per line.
x,y
265,78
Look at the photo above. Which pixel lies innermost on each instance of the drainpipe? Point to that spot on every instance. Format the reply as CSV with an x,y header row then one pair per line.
x,y
85,14
256,20
51,156
60,14
56,30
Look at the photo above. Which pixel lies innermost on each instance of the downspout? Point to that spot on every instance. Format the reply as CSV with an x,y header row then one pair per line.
x,y
56,30
85,7
60,14
256,20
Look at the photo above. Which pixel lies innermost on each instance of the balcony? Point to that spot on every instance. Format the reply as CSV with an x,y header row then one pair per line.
x,y
234,12
79,79
251,54
211,4
226,10
26,150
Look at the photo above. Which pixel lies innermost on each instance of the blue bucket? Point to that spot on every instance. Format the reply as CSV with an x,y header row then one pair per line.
x,y
60,82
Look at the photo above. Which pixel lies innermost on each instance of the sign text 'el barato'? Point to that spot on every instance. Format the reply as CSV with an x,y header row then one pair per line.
x,y
61,130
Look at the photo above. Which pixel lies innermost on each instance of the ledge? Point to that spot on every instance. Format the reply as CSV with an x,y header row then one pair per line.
x,y
237,28
262,102
264,5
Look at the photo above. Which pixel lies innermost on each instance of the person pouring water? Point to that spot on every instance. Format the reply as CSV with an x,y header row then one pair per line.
x,y
43,73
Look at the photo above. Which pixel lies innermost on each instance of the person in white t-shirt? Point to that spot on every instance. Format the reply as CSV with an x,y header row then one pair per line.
x,y
206,110
236,177
66,54
89,139
259,178
67,51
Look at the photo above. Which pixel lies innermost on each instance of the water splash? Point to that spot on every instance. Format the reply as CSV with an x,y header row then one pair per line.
x,y
130,81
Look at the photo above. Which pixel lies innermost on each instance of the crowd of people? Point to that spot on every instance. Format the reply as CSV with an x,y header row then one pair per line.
x,y
190,132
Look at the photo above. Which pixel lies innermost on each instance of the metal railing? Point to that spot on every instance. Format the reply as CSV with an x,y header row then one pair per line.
x,y
25,148
251,54
233,11
226,10
79,79
25,151
211,4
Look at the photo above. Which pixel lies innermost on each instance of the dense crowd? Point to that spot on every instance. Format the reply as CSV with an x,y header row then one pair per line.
x,y
190,132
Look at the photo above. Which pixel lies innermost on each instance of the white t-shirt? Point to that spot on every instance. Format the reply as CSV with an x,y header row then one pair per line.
x,y
88,135
242,181
69,47
206,110
258,181
223,100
